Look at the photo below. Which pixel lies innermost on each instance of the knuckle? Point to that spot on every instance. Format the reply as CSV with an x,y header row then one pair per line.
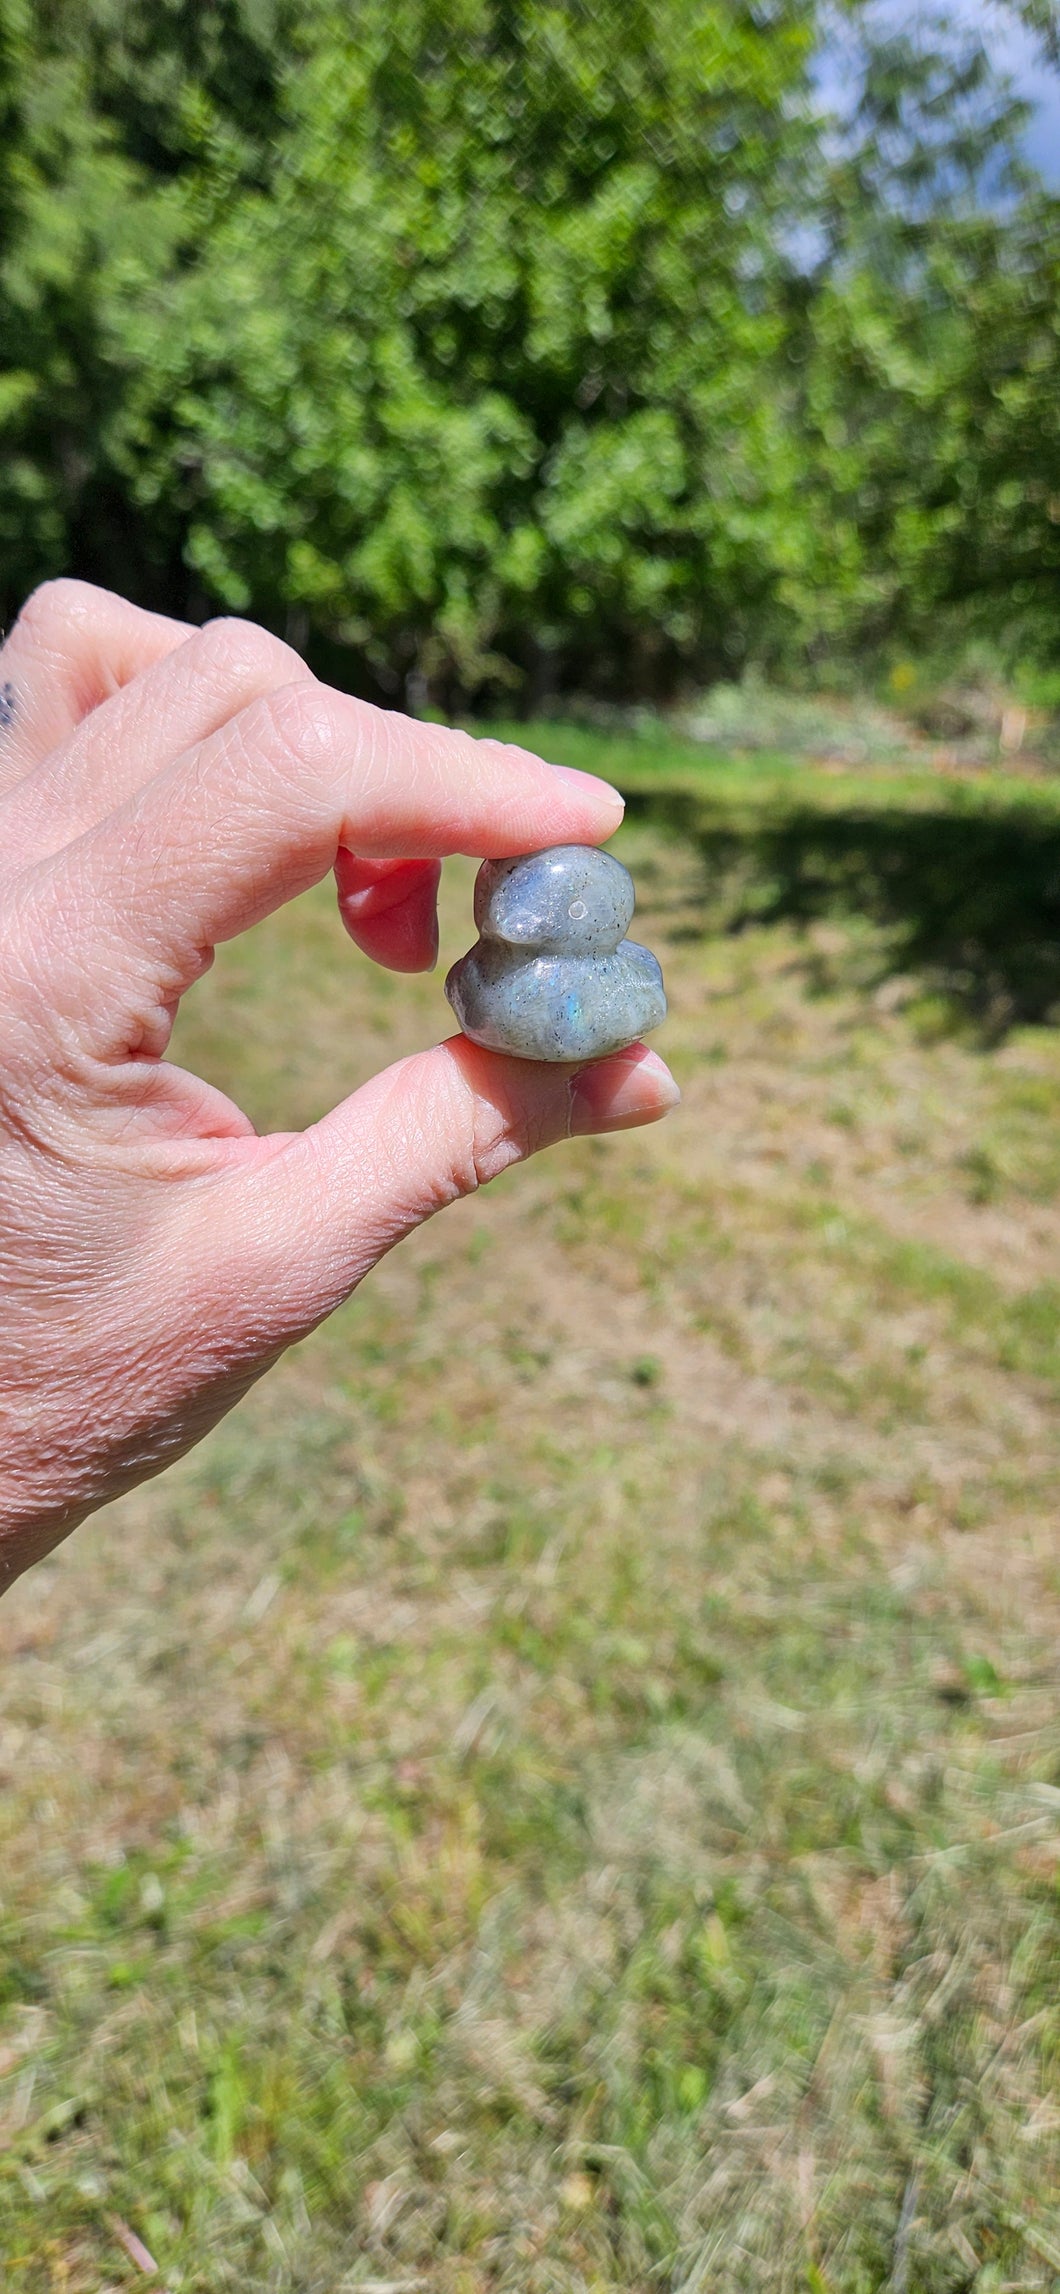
x,y
242,649
490,1132
468,1159
303,722
434,1141
261,758
54,605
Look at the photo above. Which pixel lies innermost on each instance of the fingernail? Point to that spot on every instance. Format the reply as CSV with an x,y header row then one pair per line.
x,y
632,1087
602,789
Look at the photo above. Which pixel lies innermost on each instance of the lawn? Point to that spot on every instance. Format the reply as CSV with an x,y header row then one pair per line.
x,y
562,1791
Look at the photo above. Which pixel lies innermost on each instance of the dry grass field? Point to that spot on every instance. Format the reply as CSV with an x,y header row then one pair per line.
x,y
562,1791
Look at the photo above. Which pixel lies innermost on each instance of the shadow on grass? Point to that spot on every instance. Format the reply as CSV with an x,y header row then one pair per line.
x,y
970,904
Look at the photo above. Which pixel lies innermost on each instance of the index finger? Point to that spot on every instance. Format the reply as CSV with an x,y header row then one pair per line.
x,y
258,812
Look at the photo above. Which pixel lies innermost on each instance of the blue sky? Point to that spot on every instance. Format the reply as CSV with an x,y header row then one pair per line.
x,y
1013,49
1022,58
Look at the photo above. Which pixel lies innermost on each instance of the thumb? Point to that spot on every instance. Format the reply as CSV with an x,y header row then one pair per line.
x,y
320,1209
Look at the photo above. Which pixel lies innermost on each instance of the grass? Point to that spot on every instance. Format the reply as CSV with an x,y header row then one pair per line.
x,y
958,871
737,787
562,1791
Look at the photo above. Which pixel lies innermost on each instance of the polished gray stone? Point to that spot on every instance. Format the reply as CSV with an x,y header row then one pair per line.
x,y
551,976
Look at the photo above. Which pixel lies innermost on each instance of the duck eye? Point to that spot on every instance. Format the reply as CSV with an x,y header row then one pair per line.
x,y
577,910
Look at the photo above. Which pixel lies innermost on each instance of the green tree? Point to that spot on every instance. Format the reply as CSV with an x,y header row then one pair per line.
x,y
111,111
489,356
929,351
525,343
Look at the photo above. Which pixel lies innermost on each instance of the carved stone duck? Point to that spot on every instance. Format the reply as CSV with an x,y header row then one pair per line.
x,y
551,976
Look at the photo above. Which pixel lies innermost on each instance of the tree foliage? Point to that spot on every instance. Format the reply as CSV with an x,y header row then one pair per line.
x,y
524,343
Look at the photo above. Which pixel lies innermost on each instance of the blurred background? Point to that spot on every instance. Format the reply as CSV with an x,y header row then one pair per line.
x,y
510,352
562,1791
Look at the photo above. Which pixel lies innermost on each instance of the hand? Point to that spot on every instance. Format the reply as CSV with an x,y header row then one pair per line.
x,y
161,789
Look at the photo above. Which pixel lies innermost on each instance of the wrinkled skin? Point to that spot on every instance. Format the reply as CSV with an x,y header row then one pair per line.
x,y
161,789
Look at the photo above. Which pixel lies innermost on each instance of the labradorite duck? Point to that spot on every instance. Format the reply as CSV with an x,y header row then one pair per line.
x,y
551,976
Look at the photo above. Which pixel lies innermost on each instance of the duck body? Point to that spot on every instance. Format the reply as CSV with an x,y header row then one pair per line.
x,y
551,976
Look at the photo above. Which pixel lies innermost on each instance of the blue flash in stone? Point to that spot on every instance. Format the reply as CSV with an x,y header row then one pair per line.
x,y
551,976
